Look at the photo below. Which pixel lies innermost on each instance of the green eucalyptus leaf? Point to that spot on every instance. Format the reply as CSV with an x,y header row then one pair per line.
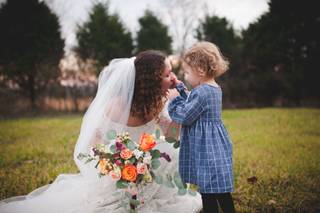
x,y
185,185
134,202
113,148
157,133
176,145
182,191
131,146
171,140
191,192
159,179
111,135
155,163
123,204
89,160
132,160
82,155
177,180
155,153
121,184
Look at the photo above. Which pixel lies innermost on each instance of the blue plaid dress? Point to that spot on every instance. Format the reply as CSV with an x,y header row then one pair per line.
x,y
205,157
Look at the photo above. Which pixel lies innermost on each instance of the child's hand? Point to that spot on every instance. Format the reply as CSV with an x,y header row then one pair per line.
x,y
174,80
172,93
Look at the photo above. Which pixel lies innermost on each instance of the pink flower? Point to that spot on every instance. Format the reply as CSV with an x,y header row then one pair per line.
x,y
115,173
142,168
142,200
126,154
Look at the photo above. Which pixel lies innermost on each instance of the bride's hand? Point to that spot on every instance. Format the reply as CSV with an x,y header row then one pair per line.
x,y
172,93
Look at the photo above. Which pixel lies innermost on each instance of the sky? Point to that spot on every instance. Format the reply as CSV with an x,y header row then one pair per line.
x,y
239,12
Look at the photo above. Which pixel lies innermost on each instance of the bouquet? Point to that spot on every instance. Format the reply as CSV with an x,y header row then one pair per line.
x,y
132,166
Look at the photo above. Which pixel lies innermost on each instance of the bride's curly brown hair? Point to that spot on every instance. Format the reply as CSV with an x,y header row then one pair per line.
x,y
148,98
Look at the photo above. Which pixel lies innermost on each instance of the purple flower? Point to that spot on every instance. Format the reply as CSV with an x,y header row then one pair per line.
x,y
119,146
165,156
116,155
118,162
95,151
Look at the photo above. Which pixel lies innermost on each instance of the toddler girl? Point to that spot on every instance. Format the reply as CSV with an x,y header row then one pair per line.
x,y
205,157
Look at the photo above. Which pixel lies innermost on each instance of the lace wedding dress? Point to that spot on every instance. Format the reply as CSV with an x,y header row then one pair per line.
x,y
86,192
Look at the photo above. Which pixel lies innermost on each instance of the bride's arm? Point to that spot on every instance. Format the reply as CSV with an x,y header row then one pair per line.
x,y
169,128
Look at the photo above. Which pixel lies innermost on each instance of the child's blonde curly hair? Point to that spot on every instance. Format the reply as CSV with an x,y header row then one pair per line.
x,y
206,56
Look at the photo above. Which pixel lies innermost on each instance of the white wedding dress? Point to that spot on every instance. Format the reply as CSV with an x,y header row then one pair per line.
x,y
86,192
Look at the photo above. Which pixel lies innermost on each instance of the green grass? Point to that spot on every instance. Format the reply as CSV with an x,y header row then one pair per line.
x,y
34,151
277,146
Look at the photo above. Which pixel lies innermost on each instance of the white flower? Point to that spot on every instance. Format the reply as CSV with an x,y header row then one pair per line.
x,y
102,147
147,158
148,154
137,153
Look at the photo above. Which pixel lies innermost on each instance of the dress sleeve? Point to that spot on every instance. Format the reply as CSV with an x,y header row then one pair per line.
x,y
182,89
186,111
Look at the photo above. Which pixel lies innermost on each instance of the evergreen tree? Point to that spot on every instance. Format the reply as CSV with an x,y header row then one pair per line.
x,y
103,37
282,50
153,34
30,45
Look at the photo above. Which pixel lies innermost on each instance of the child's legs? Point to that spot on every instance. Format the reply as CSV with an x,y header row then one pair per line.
x,y
225,202
210,202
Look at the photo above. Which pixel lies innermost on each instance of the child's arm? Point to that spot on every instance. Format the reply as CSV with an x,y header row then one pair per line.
x,y
184,111
182,89
179,85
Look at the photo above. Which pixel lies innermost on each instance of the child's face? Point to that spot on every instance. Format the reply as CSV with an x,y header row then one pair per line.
x,y
166,77
191,76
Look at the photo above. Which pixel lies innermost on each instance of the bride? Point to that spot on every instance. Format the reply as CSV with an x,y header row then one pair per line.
x,y
131,97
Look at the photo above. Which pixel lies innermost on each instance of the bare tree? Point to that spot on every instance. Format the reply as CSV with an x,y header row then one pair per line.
x,y
184,15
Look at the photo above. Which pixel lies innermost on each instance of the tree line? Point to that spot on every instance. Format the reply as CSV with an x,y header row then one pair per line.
x,y
272,62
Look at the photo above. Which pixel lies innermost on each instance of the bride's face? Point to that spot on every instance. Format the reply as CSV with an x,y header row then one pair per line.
x,y
166,77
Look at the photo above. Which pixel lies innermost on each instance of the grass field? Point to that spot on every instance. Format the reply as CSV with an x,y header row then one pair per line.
x,y
276,156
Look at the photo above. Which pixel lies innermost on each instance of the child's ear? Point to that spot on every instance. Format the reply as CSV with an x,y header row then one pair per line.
x,y
201,73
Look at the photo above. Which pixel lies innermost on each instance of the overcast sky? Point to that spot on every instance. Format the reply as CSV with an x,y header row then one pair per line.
x,y
70,12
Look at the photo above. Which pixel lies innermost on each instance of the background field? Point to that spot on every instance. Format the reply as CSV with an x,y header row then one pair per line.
x,y
276,156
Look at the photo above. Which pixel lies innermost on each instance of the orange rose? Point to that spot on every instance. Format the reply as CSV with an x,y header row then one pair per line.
x,y
147,142
129,173
126,154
